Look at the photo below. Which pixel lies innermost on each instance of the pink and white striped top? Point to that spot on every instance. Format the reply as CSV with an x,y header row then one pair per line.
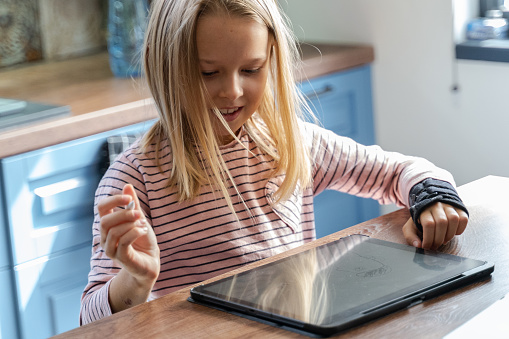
x,y
200,239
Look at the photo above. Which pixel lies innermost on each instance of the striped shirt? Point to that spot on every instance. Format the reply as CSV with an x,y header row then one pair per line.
x,y
200,238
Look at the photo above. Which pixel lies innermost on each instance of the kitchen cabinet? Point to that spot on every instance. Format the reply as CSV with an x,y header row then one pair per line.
x,y
48,213
342,102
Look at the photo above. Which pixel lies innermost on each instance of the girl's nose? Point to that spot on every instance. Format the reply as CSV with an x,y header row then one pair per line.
x,y
231,87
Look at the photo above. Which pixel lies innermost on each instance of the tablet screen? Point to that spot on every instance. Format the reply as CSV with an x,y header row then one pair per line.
x,y
338,280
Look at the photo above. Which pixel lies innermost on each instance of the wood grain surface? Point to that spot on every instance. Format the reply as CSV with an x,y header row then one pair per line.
x,y
486,238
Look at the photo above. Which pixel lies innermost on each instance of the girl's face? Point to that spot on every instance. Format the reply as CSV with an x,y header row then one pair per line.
x,y
233,55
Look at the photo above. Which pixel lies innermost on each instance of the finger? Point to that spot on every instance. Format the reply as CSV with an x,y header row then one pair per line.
x,y
119,217
124,247
111,238
129,190
453,222
107,205
411,234
428,229
121,234
441,224
113,220
463,221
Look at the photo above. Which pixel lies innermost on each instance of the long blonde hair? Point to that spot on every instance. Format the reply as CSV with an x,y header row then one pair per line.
x,y
171,68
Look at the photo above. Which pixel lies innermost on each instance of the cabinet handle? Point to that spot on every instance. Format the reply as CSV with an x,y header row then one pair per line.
x,y
316,94
64,195
58,187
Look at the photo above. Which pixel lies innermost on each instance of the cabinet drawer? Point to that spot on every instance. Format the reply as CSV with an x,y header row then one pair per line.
x,y
49,292
332,101
50,195
8,323
343,103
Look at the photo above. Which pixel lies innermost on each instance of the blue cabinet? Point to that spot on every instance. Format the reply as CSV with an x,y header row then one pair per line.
x,y
343,103
47,214
48,291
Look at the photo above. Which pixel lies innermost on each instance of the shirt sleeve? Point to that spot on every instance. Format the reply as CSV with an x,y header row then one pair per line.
x,y
95,298
340,163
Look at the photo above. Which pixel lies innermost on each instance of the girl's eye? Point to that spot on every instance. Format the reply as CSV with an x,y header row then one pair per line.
x,y
246,71
252,71
208,74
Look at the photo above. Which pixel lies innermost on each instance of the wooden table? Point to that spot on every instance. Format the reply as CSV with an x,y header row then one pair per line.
x,y
486,238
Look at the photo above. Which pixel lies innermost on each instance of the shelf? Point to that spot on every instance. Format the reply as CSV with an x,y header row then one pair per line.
x,y
486,50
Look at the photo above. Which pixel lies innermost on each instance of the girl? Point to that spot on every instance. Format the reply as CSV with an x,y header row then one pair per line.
x,y
228,173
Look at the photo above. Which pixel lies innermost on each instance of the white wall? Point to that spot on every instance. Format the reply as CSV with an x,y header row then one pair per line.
x,y
416,112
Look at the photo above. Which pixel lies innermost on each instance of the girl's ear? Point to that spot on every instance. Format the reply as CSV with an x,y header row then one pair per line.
x,y
272,43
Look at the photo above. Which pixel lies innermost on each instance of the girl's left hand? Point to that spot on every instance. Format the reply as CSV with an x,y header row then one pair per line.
x,y
440,223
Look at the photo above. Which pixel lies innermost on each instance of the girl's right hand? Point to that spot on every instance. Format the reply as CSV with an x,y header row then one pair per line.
x,y
127,238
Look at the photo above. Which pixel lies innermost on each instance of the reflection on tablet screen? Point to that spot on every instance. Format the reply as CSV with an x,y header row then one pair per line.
x,y
338,280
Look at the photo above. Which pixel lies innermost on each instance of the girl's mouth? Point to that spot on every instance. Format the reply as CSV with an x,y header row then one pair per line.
x,y
230,114
225,111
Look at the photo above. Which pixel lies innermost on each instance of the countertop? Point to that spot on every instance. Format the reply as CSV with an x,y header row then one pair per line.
x,y
100,102
484,50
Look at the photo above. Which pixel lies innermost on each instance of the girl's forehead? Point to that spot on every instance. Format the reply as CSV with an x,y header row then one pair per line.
x,y
220,38
218,22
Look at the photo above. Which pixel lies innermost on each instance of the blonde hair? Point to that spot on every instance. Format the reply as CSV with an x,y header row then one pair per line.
x,y
175,81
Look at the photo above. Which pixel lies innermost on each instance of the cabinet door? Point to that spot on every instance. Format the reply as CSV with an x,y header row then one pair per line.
x,y
50,195
49,292
8,323
343,103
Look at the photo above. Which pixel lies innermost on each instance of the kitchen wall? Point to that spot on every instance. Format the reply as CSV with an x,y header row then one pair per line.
x,y
417,111
34,30
71,28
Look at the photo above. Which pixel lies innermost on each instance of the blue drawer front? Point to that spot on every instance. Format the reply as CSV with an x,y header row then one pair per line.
x,y
333,105
49,292
343,104
8,322
50,194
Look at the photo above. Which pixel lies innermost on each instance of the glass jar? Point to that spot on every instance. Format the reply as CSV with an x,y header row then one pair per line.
x,y
127,20
492,26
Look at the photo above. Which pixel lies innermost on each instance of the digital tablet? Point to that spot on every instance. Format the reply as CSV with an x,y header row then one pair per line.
x,y
330,288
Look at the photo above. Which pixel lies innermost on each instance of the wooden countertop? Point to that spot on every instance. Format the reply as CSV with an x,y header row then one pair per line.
x,y
100,102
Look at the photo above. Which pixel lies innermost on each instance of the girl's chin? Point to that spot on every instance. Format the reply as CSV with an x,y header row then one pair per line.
x,y
224,137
